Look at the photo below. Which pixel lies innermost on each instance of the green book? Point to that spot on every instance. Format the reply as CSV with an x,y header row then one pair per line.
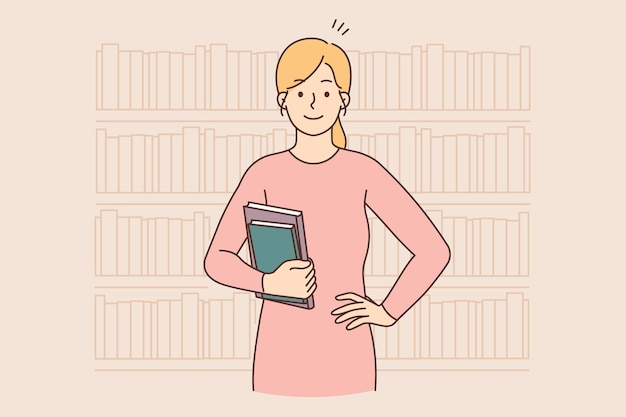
x,y
273,244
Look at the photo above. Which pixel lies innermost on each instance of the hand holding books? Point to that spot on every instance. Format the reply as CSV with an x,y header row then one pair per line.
x,y
294,278
277,245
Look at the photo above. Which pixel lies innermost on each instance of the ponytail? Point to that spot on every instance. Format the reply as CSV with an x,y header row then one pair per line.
x,y
339,136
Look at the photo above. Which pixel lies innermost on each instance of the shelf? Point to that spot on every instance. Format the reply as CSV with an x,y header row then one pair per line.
x,y
492,364
274,117
173,364
384,282
212,198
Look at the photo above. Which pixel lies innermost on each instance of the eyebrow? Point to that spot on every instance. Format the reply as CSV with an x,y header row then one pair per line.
x,y
326,81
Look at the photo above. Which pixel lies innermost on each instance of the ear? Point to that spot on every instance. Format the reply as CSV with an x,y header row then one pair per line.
x,y
280,98
345,98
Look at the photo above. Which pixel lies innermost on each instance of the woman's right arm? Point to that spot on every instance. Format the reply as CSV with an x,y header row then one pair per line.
x,y
293,278
222,264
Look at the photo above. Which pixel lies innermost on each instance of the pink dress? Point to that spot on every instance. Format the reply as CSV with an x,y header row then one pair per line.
x,y
303,352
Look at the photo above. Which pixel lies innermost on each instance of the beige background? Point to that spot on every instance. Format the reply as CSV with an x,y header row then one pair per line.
x,y
47,176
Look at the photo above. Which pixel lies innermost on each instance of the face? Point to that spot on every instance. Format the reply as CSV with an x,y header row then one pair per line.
x,y
314,105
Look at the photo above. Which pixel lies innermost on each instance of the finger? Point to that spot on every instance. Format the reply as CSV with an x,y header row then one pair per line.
x,y
311,273
350,296
311,290
356,323
299,264
359,312
347,307
310,282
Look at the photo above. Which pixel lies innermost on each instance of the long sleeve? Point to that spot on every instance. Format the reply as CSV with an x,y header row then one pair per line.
x,y
222,264
395,207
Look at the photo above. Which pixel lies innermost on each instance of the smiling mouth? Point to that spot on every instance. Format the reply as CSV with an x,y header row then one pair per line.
x,y
313,118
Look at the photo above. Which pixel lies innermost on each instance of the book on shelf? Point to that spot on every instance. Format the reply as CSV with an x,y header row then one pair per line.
x,y
275,235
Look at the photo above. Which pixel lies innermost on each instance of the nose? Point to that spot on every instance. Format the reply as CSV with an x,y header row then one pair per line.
x,y
313,101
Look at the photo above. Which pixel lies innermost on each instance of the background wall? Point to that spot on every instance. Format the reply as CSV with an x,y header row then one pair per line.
x,y
47,158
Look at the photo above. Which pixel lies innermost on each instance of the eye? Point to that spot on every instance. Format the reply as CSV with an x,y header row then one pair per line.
x,y
300,94
326,94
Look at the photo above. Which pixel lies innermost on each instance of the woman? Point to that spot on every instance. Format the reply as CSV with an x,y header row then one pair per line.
x,y
329,349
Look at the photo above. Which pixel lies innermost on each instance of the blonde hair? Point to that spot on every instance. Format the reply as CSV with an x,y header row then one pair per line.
x,y
301,58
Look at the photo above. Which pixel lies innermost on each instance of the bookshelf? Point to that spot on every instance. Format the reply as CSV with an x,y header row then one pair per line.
x,y
174,132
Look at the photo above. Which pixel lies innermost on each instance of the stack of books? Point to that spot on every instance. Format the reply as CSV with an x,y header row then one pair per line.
x,y
276,235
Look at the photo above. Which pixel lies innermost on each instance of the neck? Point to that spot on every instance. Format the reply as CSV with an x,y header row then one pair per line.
x,y
313,149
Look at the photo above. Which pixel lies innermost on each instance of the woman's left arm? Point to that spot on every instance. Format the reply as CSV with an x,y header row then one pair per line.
x,y
397,209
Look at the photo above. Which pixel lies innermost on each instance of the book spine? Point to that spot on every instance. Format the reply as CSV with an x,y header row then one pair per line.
x,y
416,77
233,165
514,325
353,57
460,249
218,76
436,330
99,326
191,159
524,247
472,329
462,329
125,164
449,163
198,245
101,164
502,163
123,330
435,76
138,169
175,247
489,171
136,80
165,159
177,163
525,77
271,60
489,328
189,322
488,80
122,246
242,325
426,160
208,79
245,78
409,162
406,335
110,76
110,331
500,332
112,165
424,306
188,248
176,81
449,78
405,83
189,81
448,324
461,81
463,173
392,81
232,76
499,247
501,69
148,323
197,89
176,340
162,241
136,329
